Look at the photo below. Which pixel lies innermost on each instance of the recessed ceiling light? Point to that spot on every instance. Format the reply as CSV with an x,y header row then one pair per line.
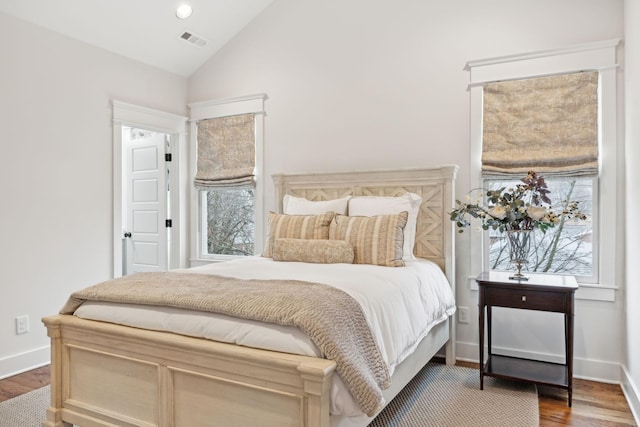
x,y
184,11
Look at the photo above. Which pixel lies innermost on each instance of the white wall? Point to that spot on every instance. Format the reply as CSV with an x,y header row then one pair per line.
x,y
55,173
367,84
631,380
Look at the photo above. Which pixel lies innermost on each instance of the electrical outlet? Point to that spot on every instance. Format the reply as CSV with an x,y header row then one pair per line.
x,y
22,324
463,314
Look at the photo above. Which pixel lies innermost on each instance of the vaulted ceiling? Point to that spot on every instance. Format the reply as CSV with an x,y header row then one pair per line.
x,y
145,30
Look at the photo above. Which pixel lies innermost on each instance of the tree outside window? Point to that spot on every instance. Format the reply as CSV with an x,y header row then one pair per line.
x,y
229,221
566,248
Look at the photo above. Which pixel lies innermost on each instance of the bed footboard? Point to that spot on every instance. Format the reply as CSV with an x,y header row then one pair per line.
x,y
105,374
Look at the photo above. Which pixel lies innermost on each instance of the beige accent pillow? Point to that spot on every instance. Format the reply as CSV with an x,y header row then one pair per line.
x,y
316,251
376,240
381,205
296,227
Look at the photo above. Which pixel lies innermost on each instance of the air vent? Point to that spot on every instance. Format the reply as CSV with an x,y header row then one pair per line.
x,y
193,39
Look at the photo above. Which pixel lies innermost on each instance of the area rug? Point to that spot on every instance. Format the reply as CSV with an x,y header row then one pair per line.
x,y
439,396
26,410
450,396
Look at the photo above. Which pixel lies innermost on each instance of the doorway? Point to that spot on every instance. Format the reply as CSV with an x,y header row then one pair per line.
x,y
146,219
149,189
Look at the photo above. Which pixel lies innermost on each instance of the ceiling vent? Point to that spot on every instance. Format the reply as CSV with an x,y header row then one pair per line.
x,y
193,39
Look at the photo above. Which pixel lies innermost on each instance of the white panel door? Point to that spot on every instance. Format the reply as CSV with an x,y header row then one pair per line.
x,y
146,204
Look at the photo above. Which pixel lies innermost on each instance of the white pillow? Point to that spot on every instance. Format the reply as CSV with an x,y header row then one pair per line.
x,y
376,205
300,206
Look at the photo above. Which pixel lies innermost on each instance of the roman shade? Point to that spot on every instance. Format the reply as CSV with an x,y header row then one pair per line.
x,y
226,152
547,124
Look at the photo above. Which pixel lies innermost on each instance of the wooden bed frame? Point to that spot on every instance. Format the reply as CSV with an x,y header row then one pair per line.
x,y
104,374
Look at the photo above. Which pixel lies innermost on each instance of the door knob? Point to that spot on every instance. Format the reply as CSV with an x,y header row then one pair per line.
x,y
127,234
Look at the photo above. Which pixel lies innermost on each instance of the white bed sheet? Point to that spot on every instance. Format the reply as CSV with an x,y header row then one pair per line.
x,y
401,304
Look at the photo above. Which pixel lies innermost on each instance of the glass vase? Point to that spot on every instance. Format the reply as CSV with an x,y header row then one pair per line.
x,y
519,245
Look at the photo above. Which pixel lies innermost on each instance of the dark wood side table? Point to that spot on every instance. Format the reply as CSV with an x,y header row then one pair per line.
x,y
542,292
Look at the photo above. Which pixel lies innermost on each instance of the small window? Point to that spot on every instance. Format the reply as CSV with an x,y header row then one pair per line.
x,y
228,218
227,141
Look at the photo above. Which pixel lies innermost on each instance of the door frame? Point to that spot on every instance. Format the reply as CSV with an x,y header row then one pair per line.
x,y
130,115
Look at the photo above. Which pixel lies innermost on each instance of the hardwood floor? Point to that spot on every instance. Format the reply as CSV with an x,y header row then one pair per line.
x,y
594,404
24,383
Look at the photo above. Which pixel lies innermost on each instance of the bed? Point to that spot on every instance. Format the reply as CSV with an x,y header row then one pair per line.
x,y
105,374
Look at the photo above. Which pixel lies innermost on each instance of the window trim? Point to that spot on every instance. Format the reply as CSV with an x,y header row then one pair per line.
x,y
211,110
598,56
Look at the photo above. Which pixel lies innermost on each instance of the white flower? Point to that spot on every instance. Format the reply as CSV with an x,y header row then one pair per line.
x,y
498,212
536,212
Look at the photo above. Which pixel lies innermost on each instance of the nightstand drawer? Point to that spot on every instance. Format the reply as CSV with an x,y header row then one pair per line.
x,y
526,299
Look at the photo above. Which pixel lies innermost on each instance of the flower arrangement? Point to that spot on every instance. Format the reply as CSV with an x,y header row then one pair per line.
x,y
524,207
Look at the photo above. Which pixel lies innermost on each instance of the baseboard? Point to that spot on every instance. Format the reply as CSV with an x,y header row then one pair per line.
x,y
631,393
22,362
588,369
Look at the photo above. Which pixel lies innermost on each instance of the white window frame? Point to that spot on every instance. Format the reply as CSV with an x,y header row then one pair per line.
x,y
211,110
601,57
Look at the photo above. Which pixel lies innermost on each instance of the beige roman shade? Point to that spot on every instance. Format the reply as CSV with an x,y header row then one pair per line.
x,y
546,124
226,152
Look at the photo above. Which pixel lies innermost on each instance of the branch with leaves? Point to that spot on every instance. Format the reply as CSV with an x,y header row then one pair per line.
x,y
523,207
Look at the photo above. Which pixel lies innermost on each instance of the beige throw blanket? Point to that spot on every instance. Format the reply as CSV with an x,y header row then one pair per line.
x,y
331,318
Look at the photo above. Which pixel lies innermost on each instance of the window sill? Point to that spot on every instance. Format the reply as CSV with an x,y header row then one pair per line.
x,y
586,291
197,262
589,291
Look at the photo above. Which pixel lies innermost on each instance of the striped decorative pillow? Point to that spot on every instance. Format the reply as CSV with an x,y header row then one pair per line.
x,y
376,240
296,227
380,205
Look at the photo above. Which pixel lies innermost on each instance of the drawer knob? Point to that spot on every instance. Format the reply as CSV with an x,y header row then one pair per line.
x,y
524,298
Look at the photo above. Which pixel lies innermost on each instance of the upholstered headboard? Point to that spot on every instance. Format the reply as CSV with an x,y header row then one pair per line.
x,y
436,186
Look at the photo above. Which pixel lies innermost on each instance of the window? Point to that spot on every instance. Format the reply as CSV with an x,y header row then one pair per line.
x,y
227,141
566,248
228,218
548,125
591,249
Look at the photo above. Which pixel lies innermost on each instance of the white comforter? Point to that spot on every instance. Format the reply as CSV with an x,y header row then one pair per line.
x,y
401,304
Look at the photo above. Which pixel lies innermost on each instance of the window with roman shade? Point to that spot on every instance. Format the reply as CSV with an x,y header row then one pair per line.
x,y
228,216
226,152
594,170
547,124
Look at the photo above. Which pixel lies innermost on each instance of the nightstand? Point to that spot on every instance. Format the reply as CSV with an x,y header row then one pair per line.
x,y
543,292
